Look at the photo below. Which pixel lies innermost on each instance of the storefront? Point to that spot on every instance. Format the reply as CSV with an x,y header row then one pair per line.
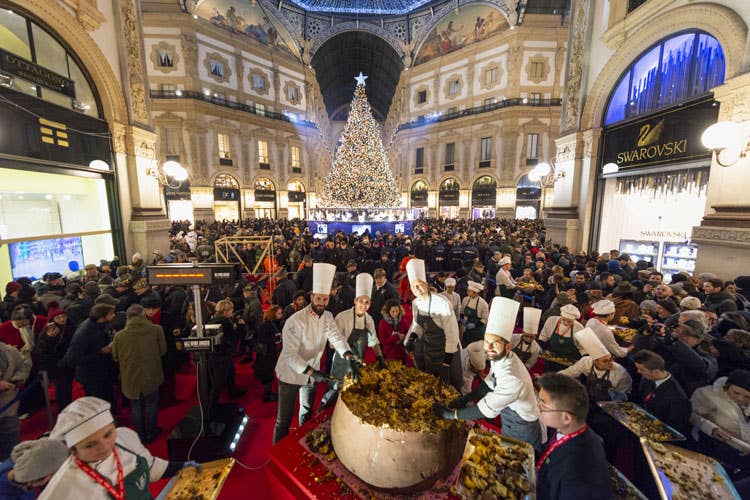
x,y
653,170
58,192
418,197
265,198
178,200
449,195
528,198
483,197
226,198
297,200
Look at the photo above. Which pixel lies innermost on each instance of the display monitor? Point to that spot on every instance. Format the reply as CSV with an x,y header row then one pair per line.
x,y
35,258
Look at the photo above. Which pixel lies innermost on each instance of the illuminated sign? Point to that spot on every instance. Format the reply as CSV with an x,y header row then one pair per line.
x,y
18,66
180,274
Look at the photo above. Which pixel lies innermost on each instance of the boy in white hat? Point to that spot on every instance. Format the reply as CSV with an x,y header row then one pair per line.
x,y
433,335
525,345
507,391
474,313
453,297
558,337
604,379
304,338
31,465
604,311
506,285
105,462
359,328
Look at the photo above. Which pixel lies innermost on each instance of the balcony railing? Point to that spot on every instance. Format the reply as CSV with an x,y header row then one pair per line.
x,y
484,108
220,101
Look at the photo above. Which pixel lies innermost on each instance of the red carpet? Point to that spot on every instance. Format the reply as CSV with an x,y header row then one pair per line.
x,y
251,451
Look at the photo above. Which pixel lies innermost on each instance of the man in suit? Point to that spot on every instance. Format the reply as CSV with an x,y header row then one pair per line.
x,y
573,464
660,393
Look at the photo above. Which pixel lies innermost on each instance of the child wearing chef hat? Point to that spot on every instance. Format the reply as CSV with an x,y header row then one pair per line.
x,y
525,345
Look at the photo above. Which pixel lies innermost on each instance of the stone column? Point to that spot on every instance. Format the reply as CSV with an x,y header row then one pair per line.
x,y
723,236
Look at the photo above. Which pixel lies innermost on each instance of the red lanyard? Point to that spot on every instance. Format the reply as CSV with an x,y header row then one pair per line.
x,y
557,329
559,442
117,494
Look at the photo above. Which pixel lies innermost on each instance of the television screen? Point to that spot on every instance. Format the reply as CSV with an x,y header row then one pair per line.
x,y
34,258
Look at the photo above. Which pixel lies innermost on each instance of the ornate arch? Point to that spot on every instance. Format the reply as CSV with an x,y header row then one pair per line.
x,y
357,26
296,179
720,22
70,30
484,174
225,173
265,176
419,179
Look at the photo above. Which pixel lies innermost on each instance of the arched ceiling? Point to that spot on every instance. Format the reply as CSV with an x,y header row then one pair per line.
x,y
366,7
342,57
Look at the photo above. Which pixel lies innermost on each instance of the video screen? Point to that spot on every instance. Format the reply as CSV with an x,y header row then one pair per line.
x,y
34,258
361,228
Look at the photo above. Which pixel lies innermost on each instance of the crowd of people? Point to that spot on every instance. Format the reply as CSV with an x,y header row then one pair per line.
x,y
523,328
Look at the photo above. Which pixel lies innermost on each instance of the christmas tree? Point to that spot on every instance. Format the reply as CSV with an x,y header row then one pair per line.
x,y
361,176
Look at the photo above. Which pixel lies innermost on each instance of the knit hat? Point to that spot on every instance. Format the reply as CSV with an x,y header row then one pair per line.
x,y
740,378
106,298
54,310
80,419
33,460
669,305
151,302
694,328
648,304
690,303
12,286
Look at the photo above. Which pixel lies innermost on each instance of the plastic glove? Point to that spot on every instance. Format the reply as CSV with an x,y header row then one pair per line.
x,y
460,402
354,368
192,463
471,326
442,411
617,396
382,365
318,376
411,343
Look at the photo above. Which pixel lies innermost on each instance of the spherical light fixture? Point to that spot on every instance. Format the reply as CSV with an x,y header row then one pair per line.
x,y
99,165
610,168
543,169
721,135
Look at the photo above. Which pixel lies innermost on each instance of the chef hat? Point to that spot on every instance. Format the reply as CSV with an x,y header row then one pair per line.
x,y
450,281
502,318
80,419
531,317
364,285
591,343
504,260
475,287
415,270
603,307
323,277
569,311
33,460
477,356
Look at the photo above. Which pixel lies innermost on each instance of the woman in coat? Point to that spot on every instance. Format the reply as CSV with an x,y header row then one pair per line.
x,y
52,344
392,330
268,347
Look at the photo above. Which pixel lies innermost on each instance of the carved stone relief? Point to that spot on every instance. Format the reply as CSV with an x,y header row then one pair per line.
x,y
135,67
574,75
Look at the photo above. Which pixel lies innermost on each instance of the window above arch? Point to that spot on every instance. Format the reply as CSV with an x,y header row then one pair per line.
x,y
682,67
226,181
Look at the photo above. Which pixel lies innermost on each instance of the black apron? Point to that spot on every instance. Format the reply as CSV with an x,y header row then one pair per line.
x,y
476,333
339,366
563,347
598,388
522,355
432,351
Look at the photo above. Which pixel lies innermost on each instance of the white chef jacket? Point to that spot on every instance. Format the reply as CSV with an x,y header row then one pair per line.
x,y
345,322
71,482
534,349
713,408
503,277
303,339
478,303
512,388
618,375
607,338
467,369
441,312
455,300
549,328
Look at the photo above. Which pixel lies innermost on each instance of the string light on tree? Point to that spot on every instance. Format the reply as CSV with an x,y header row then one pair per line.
x,y
360,176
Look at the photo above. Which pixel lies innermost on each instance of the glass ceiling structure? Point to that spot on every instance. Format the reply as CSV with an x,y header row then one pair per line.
x,y
373,7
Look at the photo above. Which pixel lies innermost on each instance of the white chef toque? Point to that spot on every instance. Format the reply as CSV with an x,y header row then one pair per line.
x,y
477,356
364,285
80,419
415,270
450,281
502,318
603,307
591,343
475,287
569,311
504,260
531,318
323,275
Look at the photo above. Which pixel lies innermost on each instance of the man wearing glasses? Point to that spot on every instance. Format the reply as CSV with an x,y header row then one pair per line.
x,y
507,391
573,465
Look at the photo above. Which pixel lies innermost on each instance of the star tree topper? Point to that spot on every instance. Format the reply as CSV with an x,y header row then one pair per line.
x,y
360,79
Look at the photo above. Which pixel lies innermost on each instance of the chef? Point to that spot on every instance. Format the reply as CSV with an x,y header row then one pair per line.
x,y
557,337
304,338
359,329
105,462
525,345
507,391
475,312
433,335
473,363
604,311
506,285
604,379
450,294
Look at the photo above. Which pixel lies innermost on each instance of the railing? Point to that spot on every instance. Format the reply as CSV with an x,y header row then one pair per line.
x,y
484,108
225,103
634,4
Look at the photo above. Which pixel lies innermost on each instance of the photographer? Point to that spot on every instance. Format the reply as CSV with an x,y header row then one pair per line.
x,y
220,363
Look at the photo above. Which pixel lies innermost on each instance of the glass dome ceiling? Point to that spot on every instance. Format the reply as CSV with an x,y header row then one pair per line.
x,y
393,7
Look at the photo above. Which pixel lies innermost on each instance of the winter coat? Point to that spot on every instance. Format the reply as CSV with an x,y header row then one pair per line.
x,y
85,353
138,349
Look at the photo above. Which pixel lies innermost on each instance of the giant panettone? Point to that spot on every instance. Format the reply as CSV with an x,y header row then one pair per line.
x,y
383,429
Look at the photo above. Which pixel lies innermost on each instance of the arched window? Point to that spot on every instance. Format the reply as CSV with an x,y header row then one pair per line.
x,y
527,189
484,192
295,186
679,68
225,181
449,192
419,194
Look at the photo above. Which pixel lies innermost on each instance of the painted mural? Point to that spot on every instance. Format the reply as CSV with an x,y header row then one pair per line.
x,y
455,31
242,17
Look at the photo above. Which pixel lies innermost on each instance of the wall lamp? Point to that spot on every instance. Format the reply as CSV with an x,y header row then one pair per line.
x,y
171,174
546,173
727,141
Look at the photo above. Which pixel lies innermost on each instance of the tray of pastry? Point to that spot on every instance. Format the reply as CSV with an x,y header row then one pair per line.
x,y
640,422
683,474
622,488
623,333
189,484
550,356
495,466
